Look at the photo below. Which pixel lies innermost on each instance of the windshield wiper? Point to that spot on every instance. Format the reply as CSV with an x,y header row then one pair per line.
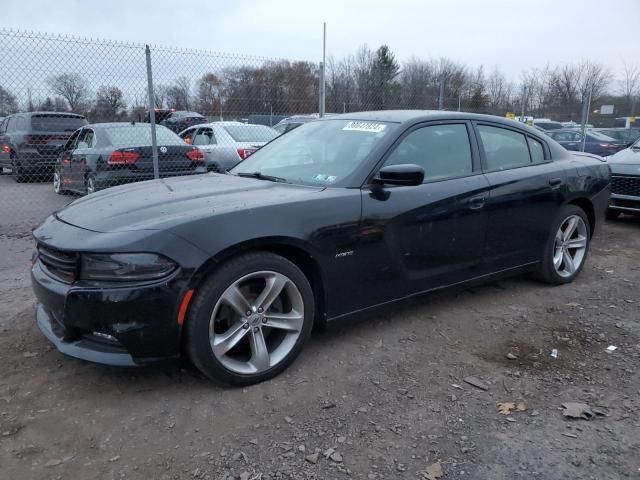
x,y
262,176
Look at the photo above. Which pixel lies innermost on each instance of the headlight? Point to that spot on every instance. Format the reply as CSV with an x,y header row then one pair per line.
x,y
124,266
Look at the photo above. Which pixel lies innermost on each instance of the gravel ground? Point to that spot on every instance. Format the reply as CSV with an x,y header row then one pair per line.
x,y
382,396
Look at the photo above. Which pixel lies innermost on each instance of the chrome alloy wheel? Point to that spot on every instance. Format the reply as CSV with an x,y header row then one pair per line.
x,y
256,322
57,182
570,246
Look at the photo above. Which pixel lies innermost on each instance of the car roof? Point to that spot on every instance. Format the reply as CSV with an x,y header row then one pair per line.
x,y
57,114
416,116
118,124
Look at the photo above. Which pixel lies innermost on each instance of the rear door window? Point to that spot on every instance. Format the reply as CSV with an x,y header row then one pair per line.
x,y
204,136
21,125
537,150
86,139
503,148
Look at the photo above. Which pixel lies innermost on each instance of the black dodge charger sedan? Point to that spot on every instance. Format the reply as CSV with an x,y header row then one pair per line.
x,y
336,217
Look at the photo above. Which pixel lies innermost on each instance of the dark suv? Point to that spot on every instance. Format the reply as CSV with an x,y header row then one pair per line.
x,y
180,120
30,142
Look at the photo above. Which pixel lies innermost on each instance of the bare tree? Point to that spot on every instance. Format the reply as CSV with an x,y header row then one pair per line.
x,y
209,94
498,90
109,102
70,86
179,94
8,102
631,86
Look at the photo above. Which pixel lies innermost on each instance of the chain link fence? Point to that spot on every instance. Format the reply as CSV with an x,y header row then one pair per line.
x,y
78,114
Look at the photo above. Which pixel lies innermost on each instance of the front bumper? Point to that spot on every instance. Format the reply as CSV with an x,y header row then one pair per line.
x,y
123,326
83,348
625,204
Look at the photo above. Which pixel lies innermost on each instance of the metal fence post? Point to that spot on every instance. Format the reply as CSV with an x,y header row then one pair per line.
x,y
321,92
152,115
585,119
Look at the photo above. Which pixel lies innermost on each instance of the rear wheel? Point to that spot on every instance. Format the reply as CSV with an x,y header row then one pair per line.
x,y
250,319
567,247
613,214
57,183
17,171
90,184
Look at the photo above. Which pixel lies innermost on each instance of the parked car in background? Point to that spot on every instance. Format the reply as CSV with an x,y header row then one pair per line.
x,y
627,122
102,155
338,216
160,114
292,122
546,124
179,120
30,142
595,143
225,144
625,135
625,181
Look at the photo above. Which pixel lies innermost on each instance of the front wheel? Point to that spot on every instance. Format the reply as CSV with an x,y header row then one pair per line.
x,y
567,247
250,319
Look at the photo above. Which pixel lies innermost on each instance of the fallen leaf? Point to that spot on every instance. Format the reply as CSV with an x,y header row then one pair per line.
x,y
434,471
505,408
577,410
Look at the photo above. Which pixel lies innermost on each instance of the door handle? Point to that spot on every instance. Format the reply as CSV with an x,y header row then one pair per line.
x,y
555,182
476,203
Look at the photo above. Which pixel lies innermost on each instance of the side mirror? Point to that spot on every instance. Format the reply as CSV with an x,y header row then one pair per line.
x,y
405,174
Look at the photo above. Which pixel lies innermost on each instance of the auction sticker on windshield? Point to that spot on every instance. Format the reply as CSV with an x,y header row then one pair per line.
x,y
370,127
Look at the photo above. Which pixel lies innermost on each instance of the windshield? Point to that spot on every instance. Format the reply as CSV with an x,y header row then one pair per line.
x,y
56,123
600,136
140,135
251,133
317,153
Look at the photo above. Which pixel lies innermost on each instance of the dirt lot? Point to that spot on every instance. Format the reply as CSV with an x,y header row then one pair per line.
x,y
377,397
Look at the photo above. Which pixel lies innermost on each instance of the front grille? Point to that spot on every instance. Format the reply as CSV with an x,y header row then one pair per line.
x,y
625,186
62,265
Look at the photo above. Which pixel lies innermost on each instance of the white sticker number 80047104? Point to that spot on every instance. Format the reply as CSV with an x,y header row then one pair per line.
x,y
369,127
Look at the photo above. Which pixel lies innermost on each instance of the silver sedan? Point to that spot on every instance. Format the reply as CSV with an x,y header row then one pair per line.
x,y
227,143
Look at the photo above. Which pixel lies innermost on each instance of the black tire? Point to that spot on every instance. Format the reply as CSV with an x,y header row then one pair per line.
x,y
547,272
18,172
613,214
206,297
90,184
57,183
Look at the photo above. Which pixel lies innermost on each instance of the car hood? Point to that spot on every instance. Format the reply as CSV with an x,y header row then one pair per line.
x,y
628,156
161,204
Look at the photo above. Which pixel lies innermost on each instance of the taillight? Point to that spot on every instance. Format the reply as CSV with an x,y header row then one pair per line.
x,y
245,152
120,157
6,148
196,155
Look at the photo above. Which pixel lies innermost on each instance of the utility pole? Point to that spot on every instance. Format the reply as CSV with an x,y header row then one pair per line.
x,y
323,64
585,118
441,96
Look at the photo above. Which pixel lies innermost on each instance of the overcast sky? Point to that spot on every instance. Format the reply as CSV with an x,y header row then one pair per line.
x,y
513,34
